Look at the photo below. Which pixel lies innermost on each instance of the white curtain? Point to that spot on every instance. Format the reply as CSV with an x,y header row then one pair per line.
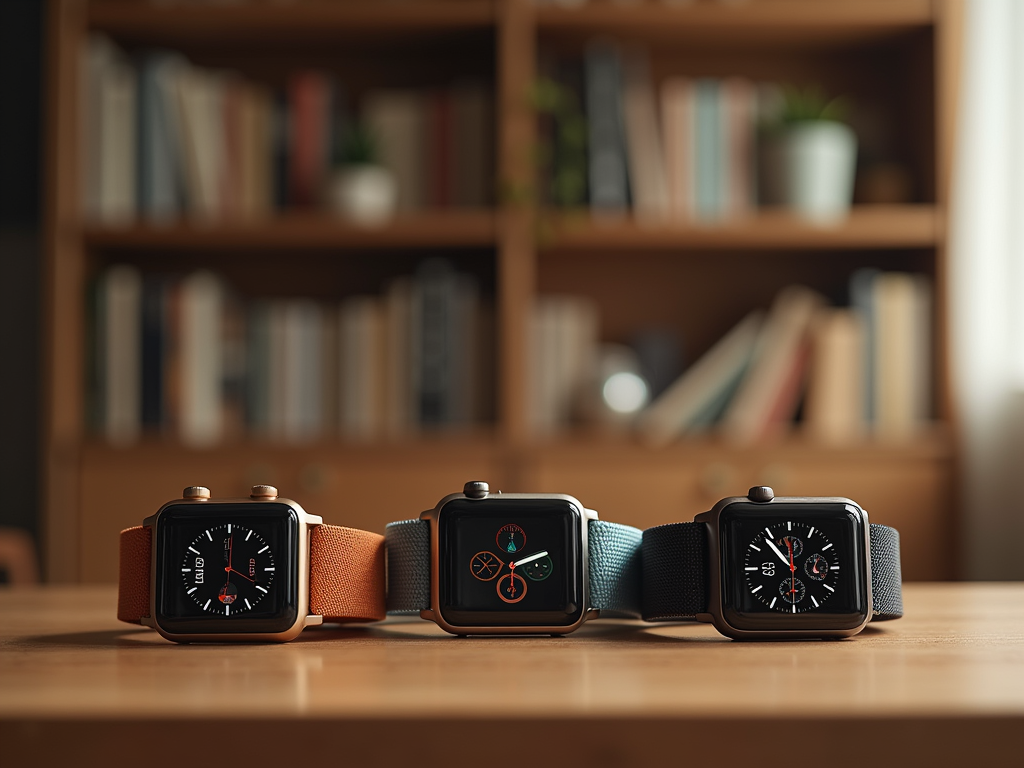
x,y
987,289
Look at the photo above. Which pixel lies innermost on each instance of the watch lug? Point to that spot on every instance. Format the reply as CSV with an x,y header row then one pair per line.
x,y
147,621
593,613
314,519
428,615
706,618
703,517
313,620
591,514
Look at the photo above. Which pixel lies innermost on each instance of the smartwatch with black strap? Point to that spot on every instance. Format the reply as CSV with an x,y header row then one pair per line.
x,y
760,567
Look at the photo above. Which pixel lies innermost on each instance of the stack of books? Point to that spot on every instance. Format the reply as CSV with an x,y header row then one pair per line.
x,y
182,356
163,138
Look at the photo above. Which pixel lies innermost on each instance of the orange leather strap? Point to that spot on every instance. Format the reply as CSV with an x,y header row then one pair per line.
x,y
133,574
346,574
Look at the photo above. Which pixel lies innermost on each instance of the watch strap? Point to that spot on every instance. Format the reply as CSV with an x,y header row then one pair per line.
x,y
408,556
613,560
134,562
886,573
346,574
675,572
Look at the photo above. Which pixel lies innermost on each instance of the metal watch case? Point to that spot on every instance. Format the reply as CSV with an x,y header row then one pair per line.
x,y
307,523
715,614
478,492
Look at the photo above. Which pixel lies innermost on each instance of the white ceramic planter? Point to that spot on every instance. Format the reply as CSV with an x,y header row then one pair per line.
x,y
816,165
366,194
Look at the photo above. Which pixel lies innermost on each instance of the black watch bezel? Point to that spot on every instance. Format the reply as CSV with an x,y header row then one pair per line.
x,y
450,621
732,623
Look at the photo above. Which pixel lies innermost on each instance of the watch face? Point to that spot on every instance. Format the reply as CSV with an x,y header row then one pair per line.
x,y
226,568
793,566
510,563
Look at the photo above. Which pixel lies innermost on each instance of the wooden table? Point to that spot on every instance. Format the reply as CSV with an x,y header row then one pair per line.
x,y
943,686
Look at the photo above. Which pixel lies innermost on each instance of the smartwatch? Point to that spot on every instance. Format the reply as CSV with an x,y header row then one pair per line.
x,y
760,568
512,563
256,569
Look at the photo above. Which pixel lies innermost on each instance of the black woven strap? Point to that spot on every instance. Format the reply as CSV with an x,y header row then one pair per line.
x,y
886,574
407,544
614,565
675,572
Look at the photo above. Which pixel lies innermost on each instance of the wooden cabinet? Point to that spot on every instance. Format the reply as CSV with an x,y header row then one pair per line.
x,y
901,55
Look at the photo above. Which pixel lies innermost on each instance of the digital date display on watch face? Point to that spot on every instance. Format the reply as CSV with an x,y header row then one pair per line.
x,y
227,568
793,566
510,562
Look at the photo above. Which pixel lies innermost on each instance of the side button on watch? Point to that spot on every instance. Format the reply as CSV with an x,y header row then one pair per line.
x,y
513,563
256,569
760,567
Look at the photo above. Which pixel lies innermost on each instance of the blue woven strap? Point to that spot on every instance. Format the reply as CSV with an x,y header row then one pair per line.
x,y
614,564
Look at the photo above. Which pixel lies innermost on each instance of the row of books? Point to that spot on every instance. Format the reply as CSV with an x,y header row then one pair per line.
x,y
163,138
686,148
184,357
842,374
848,372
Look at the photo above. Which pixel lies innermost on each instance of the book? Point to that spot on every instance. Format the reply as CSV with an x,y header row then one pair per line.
x,y
200,108
902,346
862,300
159,142
696,398
396,119
608,173
643,141
398,393
772,385
834,411
309,104
154,323
361,370
439,148
202,359
709,150
120,321
679,136
739,106
472,153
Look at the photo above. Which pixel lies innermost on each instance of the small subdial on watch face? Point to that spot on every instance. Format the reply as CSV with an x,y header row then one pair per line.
x,y
485,566
538,570
792,590
228,569
511,538
816,567
791,567
511,588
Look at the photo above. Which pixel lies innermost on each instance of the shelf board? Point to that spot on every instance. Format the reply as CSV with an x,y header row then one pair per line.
x,y
803,22
434,229
275,23
867,227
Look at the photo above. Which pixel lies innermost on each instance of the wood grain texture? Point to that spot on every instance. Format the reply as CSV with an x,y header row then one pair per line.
x,y
944,684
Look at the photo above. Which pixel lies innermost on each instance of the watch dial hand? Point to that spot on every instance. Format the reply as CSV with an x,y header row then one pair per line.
x,y
531,558
782,557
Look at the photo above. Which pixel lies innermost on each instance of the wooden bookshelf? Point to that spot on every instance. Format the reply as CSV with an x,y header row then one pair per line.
x,y
633,269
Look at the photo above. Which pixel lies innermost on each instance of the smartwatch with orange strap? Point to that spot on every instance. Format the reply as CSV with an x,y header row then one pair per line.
x,y
255,569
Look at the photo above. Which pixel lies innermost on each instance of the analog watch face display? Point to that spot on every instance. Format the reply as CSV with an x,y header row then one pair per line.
x,y
793,566
510,562
227,568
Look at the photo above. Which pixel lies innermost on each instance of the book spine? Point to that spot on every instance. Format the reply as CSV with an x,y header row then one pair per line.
x,y
608,172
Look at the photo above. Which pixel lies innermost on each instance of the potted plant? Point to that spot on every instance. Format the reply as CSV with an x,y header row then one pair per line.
x,y
362,189
811,155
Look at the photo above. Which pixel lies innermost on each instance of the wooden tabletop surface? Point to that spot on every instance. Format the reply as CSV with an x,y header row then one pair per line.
x,y
938,687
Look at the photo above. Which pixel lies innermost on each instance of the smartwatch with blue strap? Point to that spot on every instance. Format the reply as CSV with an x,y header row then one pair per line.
x,y
494,563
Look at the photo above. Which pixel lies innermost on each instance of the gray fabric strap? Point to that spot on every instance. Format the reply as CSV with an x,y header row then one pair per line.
x,y
614,564
407,543
886,573
675,572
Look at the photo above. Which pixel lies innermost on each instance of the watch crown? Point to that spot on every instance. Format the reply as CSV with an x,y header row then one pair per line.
x,y
475,489
263,492
761,493
200,492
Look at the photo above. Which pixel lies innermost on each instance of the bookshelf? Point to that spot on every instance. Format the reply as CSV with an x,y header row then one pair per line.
x,y
93,489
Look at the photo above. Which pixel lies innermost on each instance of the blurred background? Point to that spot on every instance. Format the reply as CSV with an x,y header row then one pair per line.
x,y
647,253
